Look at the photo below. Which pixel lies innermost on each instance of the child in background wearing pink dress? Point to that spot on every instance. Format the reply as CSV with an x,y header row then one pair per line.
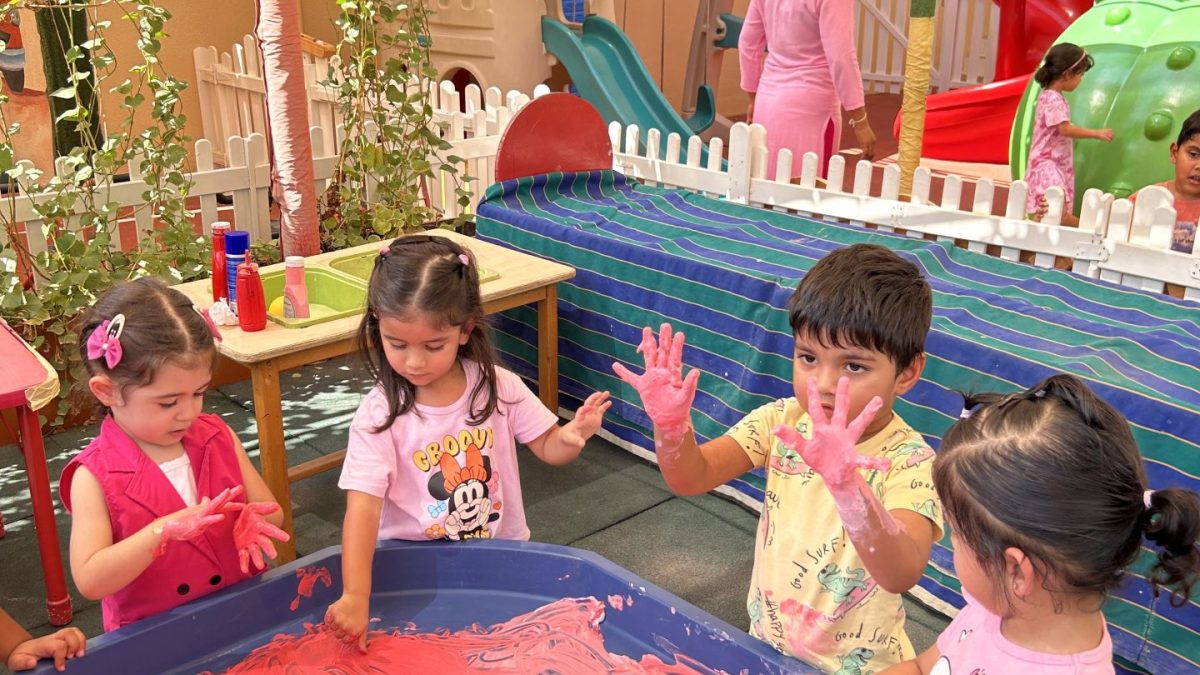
x,y
1051,152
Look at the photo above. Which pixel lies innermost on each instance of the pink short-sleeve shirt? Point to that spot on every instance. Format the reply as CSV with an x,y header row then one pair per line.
x,y
440,477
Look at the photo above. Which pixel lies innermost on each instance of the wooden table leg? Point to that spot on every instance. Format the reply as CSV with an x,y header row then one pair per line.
x,y
547,311
58,603
268,412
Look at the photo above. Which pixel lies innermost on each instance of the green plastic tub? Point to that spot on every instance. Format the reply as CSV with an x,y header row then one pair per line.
x,y
360,265
330,296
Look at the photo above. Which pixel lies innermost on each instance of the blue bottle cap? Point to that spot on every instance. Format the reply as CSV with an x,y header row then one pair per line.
x,y
236,242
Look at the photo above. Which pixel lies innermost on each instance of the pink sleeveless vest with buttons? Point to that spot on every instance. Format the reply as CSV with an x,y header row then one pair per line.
x,y
137,492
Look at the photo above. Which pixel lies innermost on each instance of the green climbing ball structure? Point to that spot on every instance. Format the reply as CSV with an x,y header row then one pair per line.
x,y
1146,81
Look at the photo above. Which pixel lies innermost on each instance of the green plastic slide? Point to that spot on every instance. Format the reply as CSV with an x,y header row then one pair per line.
x,y
608,73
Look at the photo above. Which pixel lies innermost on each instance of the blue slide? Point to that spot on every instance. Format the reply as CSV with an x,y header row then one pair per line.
x,y
608,73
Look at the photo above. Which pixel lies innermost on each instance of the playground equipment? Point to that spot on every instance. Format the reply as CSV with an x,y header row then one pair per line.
x,y
489,44
972,124
716,30
1142,86
514,49
607,71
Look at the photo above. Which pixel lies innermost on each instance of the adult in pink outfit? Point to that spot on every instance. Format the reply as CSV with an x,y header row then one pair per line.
x,y
809,70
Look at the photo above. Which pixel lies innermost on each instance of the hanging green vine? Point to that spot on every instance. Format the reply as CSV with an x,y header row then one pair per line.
x,y
380,187
44,292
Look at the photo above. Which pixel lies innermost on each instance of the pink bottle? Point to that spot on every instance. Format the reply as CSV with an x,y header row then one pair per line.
x,y
295,293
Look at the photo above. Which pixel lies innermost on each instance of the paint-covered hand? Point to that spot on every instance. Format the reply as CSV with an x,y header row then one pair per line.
x,y
67,643
587,420
831,450
666,395
191,522
348,619
252,535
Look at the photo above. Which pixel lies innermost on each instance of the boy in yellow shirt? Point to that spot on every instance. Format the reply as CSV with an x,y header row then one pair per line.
x,y
849,513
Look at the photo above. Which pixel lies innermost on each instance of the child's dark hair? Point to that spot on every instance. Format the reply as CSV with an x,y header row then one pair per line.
x,y
427,275
865,295
1054,471
1190,128
1063,60
161,326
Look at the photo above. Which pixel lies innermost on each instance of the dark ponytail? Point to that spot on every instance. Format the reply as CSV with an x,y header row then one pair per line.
x,y
1173,523
1062,60
1054,470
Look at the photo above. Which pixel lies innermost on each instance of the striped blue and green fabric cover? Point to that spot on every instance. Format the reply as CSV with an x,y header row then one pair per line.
x,y
723,272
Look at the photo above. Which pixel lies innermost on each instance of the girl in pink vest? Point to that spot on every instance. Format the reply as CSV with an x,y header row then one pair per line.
x,y
165,505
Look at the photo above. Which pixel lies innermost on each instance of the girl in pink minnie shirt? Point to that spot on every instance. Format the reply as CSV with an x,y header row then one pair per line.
x,y
432,452
1047,499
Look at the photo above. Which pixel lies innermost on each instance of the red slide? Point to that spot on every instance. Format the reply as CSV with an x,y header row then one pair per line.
x,y
972,124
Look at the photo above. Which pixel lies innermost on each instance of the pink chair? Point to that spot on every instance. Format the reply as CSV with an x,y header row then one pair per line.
x,y
28,384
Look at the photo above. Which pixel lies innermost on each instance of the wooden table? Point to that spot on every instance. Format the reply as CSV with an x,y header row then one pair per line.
x,y
523,279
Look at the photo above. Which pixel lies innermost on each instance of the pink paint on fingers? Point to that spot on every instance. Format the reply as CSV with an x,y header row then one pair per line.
x,y
252,535
666,394
831,450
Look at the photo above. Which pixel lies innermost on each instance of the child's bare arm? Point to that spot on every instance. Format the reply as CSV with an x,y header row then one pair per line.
x,y
691,469
349,615
918,666
560,445
11,635
687,467
21,651
1074,131
896,559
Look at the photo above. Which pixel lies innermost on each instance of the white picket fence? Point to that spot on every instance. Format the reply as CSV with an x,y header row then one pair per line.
x,y
965,43
232,94
247,179
1114,242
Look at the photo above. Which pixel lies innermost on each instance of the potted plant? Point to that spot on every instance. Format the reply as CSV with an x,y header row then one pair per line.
x,y
382,75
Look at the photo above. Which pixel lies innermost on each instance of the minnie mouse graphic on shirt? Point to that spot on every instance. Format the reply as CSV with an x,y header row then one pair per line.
x,y
465,490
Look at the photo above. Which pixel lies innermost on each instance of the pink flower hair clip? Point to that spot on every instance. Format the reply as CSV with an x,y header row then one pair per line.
x,y
105,341
464,259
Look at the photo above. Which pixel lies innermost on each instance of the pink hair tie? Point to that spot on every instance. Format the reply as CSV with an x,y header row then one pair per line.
x,y
464,259
1146,497
105,341
212,326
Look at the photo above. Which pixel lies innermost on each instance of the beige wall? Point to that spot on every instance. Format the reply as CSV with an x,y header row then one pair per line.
x,y
317,17
219,23
660,29
193,23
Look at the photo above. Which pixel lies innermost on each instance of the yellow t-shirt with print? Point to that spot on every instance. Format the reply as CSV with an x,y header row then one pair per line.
x,y
810,593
